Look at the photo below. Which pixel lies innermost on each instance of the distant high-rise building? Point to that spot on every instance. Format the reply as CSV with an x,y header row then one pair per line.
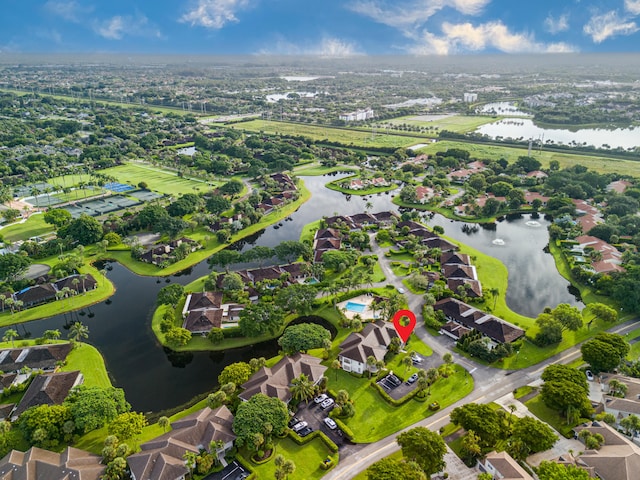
x,y
470,97
358,115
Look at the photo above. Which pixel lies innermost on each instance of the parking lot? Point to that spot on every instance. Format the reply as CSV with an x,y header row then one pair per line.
x,y
233,471
314,415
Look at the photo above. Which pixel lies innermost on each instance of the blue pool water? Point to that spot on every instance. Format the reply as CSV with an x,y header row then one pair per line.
x,y
355,307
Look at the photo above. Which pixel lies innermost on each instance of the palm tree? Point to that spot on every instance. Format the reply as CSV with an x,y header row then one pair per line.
x,y
494,292
288,467
371,363
163,422
78,331
302,388
10,303
2,299
51,334
9,336
407,362
335,365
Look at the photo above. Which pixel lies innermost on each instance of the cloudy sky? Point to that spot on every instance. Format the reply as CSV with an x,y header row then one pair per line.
x,y
324,27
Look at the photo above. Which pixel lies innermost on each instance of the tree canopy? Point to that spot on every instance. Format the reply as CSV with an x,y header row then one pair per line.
x,y
424,447
236,373
392,469
84,229
480,418
555,471
604,352
13,265
171,294
94,407
252,415
303,337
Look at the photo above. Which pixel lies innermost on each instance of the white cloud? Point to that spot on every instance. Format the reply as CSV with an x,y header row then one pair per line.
x,y
465,37
415,12
607,25
118,26
214,14
632,6
70,10
329,47
556,24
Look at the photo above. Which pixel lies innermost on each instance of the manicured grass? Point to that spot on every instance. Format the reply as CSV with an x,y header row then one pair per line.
x,y
522,391
375,418
103,291
550,416
634,351
307,458
314,169
454,123
87,359
35,226
596,163
345,136
158,180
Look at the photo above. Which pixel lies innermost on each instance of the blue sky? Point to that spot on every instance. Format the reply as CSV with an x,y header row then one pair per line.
x,y
324,27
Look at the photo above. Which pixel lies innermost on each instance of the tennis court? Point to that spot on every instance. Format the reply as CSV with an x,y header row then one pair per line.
x,y
118,187
145,195
100,206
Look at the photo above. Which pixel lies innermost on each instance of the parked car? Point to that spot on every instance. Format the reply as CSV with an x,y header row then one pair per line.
x,y
401,290
293,421
327,403
589,375
330,423
305,431
394,380
415,358
412,379
299,426
321,398
434,406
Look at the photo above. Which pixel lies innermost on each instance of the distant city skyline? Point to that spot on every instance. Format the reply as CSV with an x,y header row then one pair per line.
x,y
331,28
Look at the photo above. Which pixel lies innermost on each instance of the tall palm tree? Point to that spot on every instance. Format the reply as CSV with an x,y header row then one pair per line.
x,y
288,467
335,365
51,334
10,335
163,422
302,388
78,331
371,363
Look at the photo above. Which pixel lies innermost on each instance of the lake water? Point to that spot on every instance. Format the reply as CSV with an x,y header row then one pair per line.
x,y
155,378
524,129
502,108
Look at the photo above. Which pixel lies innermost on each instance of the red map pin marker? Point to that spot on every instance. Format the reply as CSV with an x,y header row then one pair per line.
x,y
404,330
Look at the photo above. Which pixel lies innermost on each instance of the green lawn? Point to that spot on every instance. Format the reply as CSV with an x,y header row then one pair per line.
x,y
454,123
567,159
35,226
376,419
306,457
314,169
550,416
158,180
342,135
87,359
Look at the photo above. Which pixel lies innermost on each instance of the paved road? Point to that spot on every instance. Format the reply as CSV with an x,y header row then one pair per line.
x,y
490,383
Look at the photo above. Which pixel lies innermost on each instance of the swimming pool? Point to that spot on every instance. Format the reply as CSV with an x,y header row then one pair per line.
x,y
355,307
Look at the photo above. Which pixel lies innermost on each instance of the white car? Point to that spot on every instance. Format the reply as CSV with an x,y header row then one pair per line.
x,y
589,375
401,290
299,426
330,423
321,398
327,403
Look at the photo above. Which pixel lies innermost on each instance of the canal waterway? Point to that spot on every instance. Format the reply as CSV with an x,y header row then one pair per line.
x,y
155,378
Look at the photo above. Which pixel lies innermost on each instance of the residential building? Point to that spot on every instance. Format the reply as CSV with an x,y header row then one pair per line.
x,y
358,115
372,341
276,381
503,467
39,464
163,457
35,357
48,389
617,459
458,312
470,97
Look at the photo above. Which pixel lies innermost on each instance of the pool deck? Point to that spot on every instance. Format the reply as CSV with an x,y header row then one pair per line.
x,y
367,314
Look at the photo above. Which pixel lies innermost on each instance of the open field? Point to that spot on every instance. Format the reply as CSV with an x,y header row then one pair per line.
x,y
317,132
35,226
453,123
566,159
158,180
88,360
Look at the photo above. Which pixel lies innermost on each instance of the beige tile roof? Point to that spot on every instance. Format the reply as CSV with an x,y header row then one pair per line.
x,y
39,464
